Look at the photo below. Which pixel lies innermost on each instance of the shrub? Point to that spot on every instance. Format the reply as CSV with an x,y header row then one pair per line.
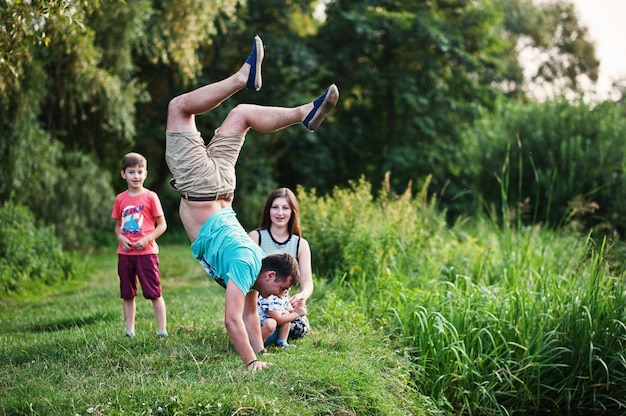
x,y
495,319
61,187
30,254
556,161
353,232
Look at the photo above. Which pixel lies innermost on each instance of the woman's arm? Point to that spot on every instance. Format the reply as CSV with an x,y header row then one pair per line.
x,y
306,275
254,236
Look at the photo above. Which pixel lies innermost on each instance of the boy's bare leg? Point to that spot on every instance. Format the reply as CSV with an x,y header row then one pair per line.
x,y
283,331
268,328
129,315
158,305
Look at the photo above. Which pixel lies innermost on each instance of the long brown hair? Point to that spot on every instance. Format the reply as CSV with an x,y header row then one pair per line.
x,y
294,222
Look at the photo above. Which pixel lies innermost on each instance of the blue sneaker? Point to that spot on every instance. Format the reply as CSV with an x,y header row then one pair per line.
x,y
255,59
321,107
284,345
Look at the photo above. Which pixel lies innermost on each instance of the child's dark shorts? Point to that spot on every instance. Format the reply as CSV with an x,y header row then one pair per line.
x,y
146,268
299,327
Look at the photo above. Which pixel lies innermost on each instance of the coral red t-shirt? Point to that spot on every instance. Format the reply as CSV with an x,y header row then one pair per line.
x,y
137,214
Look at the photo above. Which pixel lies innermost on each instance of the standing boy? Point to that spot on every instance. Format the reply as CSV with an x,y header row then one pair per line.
x,y
139,221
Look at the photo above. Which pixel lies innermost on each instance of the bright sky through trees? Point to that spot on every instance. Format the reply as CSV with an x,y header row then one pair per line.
x,y
605,20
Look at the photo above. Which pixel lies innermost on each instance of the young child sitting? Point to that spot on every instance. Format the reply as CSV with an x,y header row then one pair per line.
x,y
276,314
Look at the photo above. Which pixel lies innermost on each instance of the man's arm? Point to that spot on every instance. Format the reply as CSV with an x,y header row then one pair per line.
x,y
306,274
236,304
252,321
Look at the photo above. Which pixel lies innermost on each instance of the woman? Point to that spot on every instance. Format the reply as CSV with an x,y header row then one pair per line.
x,y
279,232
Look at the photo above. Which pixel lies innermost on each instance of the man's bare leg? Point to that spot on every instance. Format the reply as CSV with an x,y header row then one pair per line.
x,y
183,108
268,119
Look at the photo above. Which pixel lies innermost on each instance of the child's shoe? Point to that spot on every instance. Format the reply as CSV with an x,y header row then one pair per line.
x,y
162,334
284,345
130,334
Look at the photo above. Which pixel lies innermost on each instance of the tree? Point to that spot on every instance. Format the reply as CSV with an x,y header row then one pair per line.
x,y
54,77
412,76
22,27
71,93
95,78
415,75
556,162
550,50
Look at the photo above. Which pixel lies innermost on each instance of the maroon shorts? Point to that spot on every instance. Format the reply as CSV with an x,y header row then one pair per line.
x,y
146,268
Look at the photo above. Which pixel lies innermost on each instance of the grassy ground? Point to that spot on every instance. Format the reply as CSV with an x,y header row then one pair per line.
x,y
495,320
64,353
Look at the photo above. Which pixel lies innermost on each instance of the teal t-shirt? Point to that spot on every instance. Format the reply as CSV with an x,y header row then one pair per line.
x,y
226,252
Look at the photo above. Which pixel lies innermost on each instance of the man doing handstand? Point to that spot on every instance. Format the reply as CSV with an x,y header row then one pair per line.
x,y
204,175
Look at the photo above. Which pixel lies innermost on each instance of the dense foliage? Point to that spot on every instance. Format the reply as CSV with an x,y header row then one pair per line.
x,y
95,78
496,320
30,254
555,162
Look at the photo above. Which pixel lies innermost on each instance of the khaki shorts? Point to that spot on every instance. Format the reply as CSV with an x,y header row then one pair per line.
x,y
202,170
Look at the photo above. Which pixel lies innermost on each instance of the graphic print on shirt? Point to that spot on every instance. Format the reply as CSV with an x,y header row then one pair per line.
x,y
212,272
132,220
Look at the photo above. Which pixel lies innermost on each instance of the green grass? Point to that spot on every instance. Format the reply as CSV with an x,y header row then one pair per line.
x,y
64,353
549,334
496,319
409,315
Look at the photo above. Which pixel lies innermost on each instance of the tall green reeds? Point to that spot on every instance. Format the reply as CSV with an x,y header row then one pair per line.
x,y
533,340
495,319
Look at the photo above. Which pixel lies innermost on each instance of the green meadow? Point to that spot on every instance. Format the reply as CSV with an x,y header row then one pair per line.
x,y
64,353
410,316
